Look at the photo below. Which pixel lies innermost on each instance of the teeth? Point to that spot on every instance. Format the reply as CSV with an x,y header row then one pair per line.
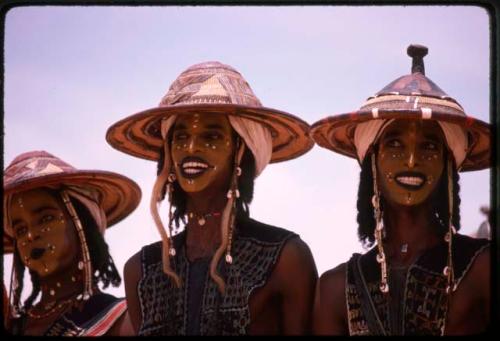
x,y
192,164
410,180
192,170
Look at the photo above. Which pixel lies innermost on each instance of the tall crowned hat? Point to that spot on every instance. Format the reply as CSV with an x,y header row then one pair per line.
x,y
115,193
209,88
412,96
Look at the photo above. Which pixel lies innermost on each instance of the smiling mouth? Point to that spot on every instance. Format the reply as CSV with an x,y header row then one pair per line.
x,y
193,167
410,180
37,253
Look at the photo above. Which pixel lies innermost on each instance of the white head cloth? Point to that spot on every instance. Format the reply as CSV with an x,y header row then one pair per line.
x,y
367,133
90,200
257,138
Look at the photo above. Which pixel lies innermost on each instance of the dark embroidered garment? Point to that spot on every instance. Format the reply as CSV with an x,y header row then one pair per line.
x,y
424,304
256,248
97,316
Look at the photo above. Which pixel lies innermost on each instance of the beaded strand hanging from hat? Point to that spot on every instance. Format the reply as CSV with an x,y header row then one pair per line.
x,y
84,265
165,180
379,229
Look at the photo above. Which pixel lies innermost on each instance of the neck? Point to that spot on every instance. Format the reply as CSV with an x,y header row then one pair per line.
x,y
203,239
410,231
62,286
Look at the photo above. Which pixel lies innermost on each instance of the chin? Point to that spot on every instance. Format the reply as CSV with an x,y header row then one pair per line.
x,y
402,201
198,185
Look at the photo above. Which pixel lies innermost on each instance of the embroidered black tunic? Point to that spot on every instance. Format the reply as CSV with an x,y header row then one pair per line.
x,y
423,305
167,310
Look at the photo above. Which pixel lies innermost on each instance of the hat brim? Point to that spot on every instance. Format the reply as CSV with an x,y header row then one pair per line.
x,y
139,134
337,132
118,195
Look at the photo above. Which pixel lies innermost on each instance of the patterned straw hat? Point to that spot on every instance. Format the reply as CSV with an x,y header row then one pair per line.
x,y
412,96
208,88
117,194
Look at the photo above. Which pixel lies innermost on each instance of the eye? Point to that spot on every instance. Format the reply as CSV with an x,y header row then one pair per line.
x,y
430,146
46,218
213,136
21,230
394,143
180,136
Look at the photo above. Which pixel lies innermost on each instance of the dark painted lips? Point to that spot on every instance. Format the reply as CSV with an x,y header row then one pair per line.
x,y
37,253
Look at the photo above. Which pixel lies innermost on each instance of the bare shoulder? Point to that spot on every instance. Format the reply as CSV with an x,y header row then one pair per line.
x,y
330,312
296,250
296,258
469,310
132,269
332,284
132,274
478,275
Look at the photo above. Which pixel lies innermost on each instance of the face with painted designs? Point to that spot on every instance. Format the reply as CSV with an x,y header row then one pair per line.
x,y
45,236
410,161
202,151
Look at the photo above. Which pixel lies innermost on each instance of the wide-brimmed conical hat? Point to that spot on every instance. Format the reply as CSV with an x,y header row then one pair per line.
x,y
117,194
209,88
412,96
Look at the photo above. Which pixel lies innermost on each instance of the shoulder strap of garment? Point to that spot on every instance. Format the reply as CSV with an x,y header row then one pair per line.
x,y
108,320
367,306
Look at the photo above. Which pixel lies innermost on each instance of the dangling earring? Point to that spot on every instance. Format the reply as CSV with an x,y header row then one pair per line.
x,y
170,189
234,186
384,286
448,269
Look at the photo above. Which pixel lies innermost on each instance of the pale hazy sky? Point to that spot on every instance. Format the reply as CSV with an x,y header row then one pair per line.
x,y
71,72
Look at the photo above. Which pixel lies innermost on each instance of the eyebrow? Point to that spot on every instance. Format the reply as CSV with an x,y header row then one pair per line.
x,y
392,134
37,210
180,126
214,126
432,137
17,221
